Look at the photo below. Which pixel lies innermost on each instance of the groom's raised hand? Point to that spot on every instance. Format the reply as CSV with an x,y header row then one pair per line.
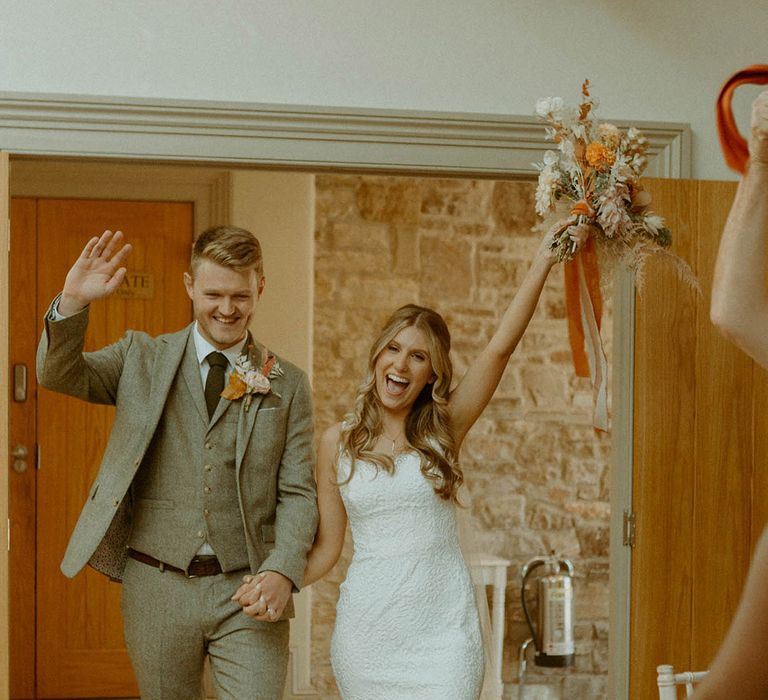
x,y
97,273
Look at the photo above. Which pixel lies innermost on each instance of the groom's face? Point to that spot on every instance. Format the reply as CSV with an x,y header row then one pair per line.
x,y
223,300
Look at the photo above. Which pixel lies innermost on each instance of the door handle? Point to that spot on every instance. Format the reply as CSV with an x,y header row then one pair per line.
x,y
20,454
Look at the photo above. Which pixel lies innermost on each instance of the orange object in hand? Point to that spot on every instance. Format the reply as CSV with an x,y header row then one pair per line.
x,y
734,145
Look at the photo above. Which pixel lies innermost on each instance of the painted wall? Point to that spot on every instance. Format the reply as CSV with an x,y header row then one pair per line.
x,y
656,60
279,209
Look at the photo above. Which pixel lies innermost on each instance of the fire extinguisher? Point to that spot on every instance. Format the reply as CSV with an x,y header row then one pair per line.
x,y
554,638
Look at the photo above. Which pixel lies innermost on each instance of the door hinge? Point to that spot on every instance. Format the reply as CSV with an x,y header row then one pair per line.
x,y
629,529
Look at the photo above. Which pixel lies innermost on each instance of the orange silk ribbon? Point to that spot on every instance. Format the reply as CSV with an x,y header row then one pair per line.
x,y
588,257
733,144
584,306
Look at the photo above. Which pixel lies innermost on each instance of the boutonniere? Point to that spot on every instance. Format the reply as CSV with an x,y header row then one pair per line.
x,y
246,380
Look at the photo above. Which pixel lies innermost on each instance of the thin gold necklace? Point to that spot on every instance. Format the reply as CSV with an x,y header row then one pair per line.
x,y
393,441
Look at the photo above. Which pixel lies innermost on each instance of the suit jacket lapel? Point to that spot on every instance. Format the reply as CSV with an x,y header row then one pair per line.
x,y
247,418
190,370
170,351
221,409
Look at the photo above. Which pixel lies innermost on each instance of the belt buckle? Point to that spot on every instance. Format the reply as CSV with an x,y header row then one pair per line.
x,y
187,574
207,565
201,564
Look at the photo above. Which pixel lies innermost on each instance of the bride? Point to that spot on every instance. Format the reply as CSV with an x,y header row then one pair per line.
x,y
406,622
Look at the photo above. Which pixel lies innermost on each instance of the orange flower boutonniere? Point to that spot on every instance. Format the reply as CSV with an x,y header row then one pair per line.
x,y
246,380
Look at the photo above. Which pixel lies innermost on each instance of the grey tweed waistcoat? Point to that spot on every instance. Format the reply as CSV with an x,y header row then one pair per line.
x,y
185,491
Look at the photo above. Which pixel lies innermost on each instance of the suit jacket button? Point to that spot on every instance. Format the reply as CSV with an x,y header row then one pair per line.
x,y
115,502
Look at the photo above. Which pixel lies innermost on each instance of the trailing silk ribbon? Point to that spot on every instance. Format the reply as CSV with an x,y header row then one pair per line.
x,y
733,144
584,306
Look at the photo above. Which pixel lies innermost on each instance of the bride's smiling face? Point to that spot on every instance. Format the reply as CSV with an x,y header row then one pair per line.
x,y
402,369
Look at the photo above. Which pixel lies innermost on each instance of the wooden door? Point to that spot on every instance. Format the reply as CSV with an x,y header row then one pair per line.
x,y
5,240
79,648
22,475
700,449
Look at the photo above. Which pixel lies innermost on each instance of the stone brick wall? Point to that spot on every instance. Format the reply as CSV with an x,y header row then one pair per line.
x,y
538,473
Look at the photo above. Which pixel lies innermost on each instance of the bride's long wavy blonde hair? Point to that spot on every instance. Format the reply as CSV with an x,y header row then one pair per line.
x,y
427,427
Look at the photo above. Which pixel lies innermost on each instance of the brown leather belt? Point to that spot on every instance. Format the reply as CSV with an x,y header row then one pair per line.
x,y
199,566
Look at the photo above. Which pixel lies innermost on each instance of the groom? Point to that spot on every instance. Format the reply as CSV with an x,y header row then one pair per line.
x,y
194,491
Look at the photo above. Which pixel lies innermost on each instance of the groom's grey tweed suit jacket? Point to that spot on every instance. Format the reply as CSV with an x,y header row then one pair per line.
x,y
275,489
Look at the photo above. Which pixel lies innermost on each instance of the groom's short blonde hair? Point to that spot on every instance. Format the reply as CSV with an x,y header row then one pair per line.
x,y
229,246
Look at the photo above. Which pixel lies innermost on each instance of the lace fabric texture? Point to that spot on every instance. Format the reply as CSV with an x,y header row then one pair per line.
x,y
407,624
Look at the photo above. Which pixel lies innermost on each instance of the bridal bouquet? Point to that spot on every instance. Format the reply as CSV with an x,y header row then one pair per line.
x,y
592,182
593,179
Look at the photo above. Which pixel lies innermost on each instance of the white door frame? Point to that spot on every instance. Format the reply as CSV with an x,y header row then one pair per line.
x,y
339,139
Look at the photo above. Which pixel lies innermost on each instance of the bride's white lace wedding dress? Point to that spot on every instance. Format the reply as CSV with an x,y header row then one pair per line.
x,y
407,626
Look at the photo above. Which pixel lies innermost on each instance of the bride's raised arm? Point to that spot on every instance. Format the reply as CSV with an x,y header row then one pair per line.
x,y
476,387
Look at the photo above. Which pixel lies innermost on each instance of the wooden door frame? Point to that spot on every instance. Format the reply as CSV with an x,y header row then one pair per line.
x,y
315,138
5,245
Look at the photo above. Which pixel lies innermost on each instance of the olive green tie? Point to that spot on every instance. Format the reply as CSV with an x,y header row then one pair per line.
x,y
214,383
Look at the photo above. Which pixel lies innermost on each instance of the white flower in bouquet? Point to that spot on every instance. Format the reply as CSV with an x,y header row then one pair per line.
x,y
546,106
548,179
609,135
612,210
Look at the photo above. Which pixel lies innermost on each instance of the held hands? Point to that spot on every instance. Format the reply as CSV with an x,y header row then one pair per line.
x,y
264,596
758,142
97,273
